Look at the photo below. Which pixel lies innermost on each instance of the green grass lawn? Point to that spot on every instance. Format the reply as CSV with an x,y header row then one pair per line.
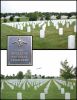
x,y
72,92
54,93
31,93
28,93
52,39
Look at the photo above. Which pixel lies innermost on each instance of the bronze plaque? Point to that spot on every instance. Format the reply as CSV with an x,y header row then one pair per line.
x,y
19,50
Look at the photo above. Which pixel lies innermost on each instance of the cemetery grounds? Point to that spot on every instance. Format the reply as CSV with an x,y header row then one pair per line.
x,y
52,39
32,88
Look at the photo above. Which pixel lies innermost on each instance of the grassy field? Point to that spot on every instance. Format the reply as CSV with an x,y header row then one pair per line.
x,y
31,93
28,93
52,39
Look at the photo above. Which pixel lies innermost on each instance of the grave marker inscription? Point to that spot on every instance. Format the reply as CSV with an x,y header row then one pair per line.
x,y
19,50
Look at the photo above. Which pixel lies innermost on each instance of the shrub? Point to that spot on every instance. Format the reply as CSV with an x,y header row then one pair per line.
x,y
5,20
18,19
11,18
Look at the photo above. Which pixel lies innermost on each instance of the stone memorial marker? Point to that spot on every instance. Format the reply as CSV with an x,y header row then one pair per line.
x,y
46,91
42,96
21,27
67,96
57,27
42,33
71,87
33,25
19,96
73,84
67,25
18,26
28,29
74,28
19,50
71,42
60,31
48,23
62,90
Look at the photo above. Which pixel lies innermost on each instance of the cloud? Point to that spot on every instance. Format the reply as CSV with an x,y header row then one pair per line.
x,y
42,6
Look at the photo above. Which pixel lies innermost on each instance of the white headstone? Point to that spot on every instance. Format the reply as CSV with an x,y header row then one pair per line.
x,y
67,25
27,23
42,33
57,27
48,23
19,96
67,96
60,31
23,87
74,84
62,90
35,87
21,27
33,26
71,87
71,42
74,28
46,91
28,29
18,26
42,96
59,87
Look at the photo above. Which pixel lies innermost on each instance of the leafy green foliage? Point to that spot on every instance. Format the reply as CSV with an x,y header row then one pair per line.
x,y
18,19
11,18
20,75
28,74
5,20
66,72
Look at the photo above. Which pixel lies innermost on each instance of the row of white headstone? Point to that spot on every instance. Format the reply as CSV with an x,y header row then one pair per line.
x,y
42,95
21,83
19,94
71,38
36,83
21,25
67,94
10,85
68,83
40,23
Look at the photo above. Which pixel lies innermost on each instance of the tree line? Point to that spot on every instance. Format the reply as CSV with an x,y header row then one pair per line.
x,y
28,75
33,16
66,72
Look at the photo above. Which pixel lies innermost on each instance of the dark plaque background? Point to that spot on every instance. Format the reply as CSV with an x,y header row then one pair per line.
x,y
19,50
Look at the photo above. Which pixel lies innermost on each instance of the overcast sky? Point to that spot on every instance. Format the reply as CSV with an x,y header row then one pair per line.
x,y
42,6
47,60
